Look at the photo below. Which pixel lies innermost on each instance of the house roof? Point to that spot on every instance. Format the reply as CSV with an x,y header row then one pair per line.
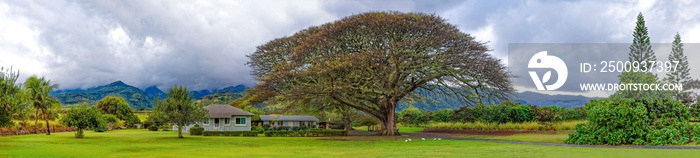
x,y
288,118
224,111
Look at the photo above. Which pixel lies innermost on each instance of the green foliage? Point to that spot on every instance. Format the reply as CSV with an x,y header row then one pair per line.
x,y
681,74
12,99
307,133
546,116
507,112
640,50
196,131
414,117
230,133
152,128
178,109
442,115
82,117
116,106
221,97
38,90
257,129
649,122
109,118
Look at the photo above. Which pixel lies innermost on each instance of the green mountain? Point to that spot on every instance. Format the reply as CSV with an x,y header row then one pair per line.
x,y
141,99
137,98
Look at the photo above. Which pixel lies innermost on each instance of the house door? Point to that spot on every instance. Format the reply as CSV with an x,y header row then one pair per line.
x,y
216,123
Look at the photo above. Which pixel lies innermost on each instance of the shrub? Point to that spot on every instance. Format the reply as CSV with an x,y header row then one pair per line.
x,y
266,127
165,127
308,133
648,122
153,128
230,133
414,117
442,115
196,130
257,129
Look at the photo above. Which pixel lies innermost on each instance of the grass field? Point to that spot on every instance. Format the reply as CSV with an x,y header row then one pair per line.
x,y
557,137
142,143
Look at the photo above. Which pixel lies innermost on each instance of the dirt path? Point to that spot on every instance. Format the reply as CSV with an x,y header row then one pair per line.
x,y
451,136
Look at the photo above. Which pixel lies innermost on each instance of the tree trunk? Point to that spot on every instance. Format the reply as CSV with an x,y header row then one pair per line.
x,y
179,131
46,118
389,124
346,121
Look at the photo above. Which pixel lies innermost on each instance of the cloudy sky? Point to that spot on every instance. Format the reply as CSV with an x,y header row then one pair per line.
x,y
202,44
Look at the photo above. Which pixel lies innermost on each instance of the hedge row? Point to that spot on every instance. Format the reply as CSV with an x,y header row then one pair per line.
x,y
501,113
309,133
230,133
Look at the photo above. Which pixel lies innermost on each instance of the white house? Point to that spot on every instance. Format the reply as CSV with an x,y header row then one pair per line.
x,y
223,118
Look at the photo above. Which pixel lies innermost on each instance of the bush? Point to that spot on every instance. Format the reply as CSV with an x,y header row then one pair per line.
x,y
230,133
414,117
101,127
526,126
649,122
153,128
257,129
442,115
196,130
308,133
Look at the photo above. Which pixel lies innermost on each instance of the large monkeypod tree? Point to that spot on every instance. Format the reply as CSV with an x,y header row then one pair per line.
x,y
372,61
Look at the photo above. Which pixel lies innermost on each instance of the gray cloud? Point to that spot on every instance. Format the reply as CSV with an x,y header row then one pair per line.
x,y
202,44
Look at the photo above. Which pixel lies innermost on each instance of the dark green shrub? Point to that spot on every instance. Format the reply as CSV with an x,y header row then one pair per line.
x,y
650,122
307,133
153,128
266,127
463,114
196,130
442,115
229,133
257,129
101,127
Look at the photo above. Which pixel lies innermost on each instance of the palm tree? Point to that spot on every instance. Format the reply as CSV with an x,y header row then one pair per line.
x,y
38,90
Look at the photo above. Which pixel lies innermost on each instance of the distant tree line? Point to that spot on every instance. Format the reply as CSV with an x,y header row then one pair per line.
x,y
501,113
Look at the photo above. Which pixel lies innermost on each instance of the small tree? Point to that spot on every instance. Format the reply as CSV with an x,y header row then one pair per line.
x,y
38,90
178,109
81,117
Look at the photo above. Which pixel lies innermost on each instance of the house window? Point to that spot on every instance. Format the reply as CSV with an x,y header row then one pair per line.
x,y
279,123
227,121
301,123
206,121
270,123
240,121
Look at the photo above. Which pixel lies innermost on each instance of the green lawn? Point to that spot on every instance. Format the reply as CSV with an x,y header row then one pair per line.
x,y
558,137
142,143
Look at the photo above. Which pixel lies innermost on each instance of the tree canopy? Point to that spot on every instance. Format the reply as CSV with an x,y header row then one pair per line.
x,y
81,117
374,60
116,106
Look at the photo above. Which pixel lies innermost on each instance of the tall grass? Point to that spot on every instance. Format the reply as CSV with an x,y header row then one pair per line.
x,y
527,126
